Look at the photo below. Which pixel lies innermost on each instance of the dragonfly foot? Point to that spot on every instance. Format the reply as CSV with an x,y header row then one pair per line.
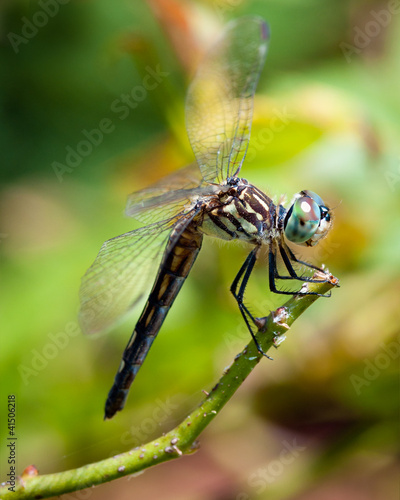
x,y
264,353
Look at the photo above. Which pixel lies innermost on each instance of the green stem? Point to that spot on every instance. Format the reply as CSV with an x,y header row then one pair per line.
x,y
182,439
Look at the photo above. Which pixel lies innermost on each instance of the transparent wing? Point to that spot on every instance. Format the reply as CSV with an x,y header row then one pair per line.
x,y
219,104
121,273
169,196
185,178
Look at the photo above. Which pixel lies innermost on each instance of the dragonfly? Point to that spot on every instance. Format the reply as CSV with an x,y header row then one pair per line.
x,y
205,198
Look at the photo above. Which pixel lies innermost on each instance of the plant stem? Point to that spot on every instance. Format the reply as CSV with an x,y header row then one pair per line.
x,y
182,439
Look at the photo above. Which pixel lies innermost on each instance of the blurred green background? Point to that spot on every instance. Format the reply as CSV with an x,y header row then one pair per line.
x,y
322,420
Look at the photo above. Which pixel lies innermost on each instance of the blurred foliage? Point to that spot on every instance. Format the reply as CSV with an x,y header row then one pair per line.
x,y
333,388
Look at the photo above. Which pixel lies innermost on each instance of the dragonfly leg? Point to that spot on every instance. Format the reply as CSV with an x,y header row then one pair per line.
x,y
240,282
274,275
307,264
292,272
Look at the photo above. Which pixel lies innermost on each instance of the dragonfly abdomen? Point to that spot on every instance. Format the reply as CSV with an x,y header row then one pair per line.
x,y
179,256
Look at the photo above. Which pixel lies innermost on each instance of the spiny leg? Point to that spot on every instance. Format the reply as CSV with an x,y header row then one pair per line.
x,y
274,275
242,277
292,272
307,264
294,275
245,270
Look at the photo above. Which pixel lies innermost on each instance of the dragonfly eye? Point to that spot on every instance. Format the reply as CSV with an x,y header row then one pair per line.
x,y
307,220
313,196
302,220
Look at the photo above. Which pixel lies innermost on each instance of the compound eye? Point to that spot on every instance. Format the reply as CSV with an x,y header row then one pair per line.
x,y
313,196
302,219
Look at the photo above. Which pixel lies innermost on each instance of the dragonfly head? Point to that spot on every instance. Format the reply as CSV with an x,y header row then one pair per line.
x,y
307,220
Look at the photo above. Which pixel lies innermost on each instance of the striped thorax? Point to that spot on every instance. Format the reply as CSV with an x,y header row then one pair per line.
x,y
240,211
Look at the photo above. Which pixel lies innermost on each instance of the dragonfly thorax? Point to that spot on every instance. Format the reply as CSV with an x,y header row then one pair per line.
x,y
240,212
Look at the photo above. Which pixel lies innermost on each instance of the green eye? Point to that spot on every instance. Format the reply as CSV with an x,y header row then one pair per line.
x,y
302,220
313,196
